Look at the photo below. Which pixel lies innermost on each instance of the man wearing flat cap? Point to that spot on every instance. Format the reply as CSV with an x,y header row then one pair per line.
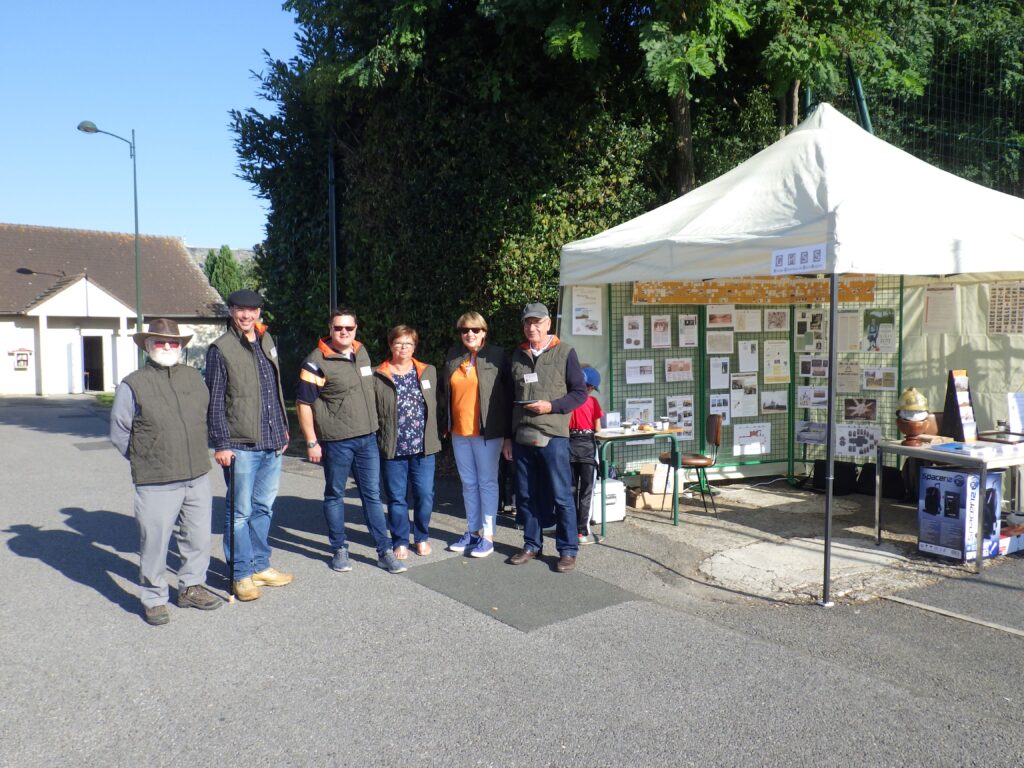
x,y
158,423
548,385
248,425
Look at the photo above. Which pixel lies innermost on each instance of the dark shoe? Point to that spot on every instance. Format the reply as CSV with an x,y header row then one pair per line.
x,y
522,556
389,562
197,596
157,615
566,563
340,561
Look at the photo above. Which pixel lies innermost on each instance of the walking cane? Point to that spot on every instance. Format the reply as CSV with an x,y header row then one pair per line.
x,y
231,530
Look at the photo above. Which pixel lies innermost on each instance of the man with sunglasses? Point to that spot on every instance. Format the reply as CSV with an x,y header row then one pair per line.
x,y
158,423
337,410
248,426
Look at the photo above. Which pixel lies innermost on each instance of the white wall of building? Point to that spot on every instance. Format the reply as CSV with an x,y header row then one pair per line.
x,y
55,333
17,333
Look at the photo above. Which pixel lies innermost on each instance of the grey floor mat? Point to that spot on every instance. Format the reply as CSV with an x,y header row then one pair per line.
x,y
526,597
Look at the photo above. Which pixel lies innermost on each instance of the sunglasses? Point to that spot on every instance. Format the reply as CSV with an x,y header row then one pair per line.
x,y
464,331
166,343
340,328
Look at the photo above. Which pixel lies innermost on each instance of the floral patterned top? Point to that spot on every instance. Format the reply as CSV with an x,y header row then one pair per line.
x,y
412,414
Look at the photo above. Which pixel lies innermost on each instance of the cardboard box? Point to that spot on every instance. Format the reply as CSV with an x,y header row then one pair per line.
x,y
615,502
949,507
656,501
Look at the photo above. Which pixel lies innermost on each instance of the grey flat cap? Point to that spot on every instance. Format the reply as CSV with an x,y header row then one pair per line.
x,y
536,309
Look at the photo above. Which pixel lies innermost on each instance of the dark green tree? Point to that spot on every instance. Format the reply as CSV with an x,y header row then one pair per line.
x,y
223,271
472,139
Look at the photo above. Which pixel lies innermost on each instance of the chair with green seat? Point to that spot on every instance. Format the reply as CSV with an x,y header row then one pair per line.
x,y
700,461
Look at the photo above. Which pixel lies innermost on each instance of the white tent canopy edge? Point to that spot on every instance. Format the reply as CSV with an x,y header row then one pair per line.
x,y
878,209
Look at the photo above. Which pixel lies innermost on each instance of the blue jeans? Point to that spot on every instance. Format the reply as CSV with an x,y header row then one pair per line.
x,y
361,457
544,494
397,473
257,475
477,460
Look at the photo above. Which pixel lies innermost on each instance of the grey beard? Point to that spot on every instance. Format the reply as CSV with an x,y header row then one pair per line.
x,y
165,358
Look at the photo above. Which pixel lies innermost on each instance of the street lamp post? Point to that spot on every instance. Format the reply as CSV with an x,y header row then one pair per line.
x,y
87,126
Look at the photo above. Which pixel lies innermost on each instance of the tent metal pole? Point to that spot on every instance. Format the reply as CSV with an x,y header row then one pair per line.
x,y
833,313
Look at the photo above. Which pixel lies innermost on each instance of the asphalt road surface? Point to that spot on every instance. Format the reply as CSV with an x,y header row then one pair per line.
x,y
626,662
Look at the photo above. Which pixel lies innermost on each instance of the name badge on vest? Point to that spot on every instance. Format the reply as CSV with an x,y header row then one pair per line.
x,y
273,352
365,371
424,385
530,378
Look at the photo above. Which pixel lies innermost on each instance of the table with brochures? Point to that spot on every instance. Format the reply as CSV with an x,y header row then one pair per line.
x,y
982,456
608,437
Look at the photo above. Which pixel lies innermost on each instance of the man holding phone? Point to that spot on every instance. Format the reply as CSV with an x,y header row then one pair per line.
x,y
548,385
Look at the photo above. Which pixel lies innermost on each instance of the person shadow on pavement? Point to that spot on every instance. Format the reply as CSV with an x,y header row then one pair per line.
x,y
79,554
298,527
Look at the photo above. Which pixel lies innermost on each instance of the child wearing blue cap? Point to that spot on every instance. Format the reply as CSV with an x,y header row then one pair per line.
x,y
583,423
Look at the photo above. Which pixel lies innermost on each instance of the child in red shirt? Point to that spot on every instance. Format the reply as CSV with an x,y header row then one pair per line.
x,y
583,423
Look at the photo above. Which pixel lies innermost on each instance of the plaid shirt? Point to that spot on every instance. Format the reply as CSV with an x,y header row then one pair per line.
x,y
273,425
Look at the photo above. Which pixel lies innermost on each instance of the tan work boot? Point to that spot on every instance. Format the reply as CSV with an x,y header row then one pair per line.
x,y
157,615
198,596
271,578
246,590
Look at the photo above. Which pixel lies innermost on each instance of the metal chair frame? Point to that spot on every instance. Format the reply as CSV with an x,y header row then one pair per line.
x,y
713,437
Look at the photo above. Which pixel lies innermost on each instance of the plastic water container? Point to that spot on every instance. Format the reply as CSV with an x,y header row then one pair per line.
x,y
615,501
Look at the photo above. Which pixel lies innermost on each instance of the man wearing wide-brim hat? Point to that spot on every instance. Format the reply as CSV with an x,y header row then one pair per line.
x,y
158,423
248,428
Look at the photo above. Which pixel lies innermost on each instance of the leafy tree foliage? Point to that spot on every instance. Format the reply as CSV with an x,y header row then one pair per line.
x,y
471,139
224,272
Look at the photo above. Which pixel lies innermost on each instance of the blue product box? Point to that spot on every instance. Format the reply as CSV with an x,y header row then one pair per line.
x,y
949,508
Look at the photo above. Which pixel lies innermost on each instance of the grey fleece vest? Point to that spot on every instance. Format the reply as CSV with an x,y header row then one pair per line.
x,y
550,385
242,398
346,406
168,441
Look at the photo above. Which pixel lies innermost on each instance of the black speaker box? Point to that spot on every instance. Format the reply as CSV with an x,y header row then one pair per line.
x,y
844,480
892,482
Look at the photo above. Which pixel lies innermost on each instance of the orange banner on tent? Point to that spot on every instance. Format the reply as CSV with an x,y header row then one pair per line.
x,y
784,290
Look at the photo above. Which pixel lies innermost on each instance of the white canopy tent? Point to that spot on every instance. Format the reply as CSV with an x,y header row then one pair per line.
x,y
877,209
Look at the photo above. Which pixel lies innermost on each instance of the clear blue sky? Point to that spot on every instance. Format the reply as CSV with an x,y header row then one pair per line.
x,y
171,71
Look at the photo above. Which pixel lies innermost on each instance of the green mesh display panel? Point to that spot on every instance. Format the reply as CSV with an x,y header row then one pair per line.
x,y
866,407
779,413
629,457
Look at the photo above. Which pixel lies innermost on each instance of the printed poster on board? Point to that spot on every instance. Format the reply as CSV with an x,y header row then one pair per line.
x,y
586,310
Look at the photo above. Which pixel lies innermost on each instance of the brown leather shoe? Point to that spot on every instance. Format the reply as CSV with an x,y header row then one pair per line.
x,y
245,590
271,578
566,563
522,556
198,596
157,615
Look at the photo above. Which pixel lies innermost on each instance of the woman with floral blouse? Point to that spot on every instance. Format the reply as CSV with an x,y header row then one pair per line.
x,y
406,392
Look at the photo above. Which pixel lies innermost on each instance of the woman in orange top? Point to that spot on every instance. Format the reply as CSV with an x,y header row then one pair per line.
x,y
475,388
